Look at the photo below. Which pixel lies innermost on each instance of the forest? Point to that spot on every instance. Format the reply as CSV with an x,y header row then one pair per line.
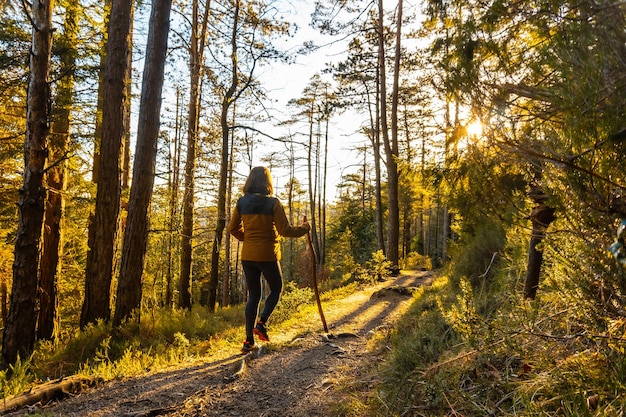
x,y
486,142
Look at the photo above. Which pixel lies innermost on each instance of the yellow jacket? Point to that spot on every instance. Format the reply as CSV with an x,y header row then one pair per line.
x,y
259,221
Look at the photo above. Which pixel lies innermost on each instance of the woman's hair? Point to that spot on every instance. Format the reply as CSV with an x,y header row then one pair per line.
x,y
259,181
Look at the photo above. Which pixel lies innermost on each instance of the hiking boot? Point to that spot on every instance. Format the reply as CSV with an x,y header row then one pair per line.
x,y
261,331
248,347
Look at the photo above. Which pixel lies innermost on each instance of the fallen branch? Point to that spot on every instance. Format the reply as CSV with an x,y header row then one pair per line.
x,y
50,391
154,412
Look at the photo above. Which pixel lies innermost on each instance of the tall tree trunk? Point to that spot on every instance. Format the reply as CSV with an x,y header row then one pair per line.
x,y
375,121
126,144
393,220
393,231
290,194
312,178
420,201
184,289
97,136
20,329
196,55
56,180
136,233
407,195
227,101
104,223
324,177
227,268
173,204
315,196
184,285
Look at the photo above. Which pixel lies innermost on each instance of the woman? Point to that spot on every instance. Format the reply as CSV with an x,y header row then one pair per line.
x,y
258,220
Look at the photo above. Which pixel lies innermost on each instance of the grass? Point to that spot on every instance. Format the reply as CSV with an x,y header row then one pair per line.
x,y
521,359
164,338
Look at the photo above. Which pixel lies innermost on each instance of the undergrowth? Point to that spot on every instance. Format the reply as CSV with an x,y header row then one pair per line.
x,y
164,337
464,351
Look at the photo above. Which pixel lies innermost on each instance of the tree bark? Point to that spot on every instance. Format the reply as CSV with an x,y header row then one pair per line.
x,y
196,54
95,171
324,169
129,289
227,269
311,172
50,391
380,232
221,193
20,330
56,179
541,217
393,231
174,184
390,144
104,223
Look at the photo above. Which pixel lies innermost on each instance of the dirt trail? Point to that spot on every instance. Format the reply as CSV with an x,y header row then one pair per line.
x,y
299,376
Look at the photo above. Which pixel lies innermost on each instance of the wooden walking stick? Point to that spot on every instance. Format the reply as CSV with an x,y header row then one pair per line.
x,y
314,279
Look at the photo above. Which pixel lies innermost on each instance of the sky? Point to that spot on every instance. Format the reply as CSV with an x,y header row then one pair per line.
x,y
283,82
287,81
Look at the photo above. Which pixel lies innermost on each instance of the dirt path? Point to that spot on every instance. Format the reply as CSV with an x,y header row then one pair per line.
x,y
301,375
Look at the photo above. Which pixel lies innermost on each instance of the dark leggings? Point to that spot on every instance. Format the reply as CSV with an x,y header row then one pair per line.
x,y
273,275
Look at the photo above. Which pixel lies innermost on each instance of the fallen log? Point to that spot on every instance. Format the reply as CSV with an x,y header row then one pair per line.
x,y
50,391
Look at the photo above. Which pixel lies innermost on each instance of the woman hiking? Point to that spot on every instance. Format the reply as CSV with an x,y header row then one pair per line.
x,y
259,220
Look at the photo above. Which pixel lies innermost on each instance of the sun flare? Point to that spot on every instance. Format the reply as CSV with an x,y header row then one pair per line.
x,y
474,128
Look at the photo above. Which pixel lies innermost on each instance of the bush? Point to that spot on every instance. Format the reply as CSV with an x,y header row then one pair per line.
x,y
476,252
417,262
290,302
378,266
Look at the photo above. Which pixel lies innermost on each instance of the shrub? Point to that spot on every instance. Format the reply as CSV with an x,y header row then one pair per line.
x,y
378,266
416,261
290,302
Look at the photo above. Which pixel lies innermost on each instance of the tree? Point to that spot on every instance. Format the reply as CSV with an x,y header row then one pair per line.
x,y
380,127
56,175
196,57
104,224
129,289
354,220
227,101
390,144
20,330
359,85
315,107
173,186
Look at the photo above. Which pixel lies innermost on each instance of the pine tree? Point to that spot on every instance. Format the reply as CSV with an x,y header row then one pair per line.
x,y
20,330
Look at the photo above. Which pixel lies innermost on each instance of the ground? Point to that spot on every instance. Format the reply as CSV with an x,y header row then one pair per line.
x,y
304,373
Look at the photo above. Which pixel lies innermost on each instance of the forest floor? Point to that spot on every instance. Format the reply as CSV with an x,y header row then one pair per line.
x,y
301,372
